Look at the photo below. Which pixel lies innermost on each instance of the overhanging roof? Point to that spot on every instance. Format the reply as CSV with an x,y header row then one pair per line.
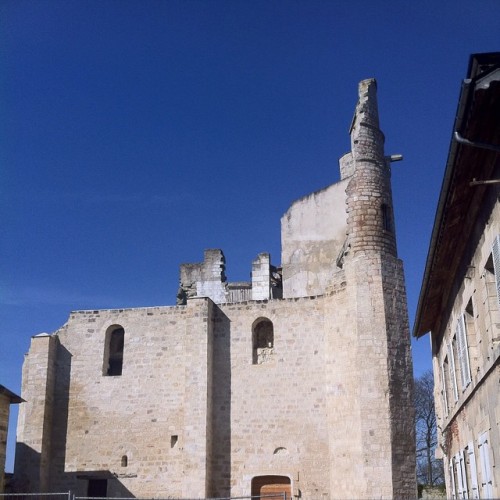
x,y
14,398
478,121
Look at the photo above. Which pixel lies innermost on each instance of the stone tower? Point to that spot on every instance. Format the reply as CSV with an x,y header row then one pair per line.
x,y
369,197
298,381
375,280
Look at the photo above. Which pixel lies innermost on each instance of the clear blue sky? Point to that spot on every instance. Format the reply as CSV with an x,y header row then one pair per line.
x,y
135,134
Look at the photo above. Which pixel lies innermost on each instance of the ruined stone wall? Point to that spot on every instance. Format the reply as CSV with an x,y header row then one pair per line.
x,y
261,279
313,232
204,279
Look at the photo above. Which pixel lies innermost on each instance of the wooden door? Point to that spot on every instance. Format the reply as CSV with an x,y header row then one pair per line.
x,y
274,486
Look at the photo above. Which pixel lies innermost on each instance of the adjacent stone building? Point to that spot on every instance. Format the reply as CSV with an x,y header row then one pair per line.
x,y
460,296
299,381
6,399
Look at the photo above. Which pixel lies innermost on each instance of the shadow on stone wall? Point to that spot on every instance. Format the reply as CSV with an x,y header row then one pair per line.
x,y
60,421
221,407
25,479
28,471
27,465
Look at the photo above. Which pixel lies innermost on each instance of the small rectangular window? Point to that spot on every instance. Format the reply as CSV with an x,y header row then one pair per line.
x,y
386,218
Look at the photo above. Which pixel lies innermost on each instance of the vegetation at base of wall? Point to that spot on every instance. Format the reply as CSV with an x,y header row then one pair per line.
x,y
438,491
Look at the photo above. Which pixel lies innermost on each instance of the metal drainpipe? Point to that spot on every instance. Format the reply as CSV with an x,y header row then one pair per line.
x,y
481,145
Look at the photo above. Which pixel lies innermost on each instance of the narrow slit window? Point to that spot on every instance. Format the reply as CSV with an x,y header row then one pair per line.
x,y
173,441
386,217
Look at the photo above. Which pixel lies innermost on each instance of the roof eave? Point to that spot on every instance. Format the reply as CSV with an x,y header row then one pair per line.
x,y
419,329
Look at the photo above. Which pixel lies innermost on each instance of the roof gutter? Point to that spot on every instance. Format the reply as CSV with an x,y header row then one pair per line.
x,y
481,145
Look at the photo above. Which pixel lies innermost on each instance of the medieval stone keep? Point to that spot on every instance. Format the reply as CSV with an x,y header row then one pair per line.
x,y
298,382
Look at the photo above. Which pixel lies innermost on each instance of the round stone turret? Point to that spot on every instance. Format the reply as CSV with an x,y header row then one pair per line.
x,y
369,199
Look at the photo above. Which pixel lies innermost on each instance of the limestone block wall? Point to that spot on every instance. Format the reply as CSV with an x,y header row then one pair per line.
x,y
313,231
275,413
148,423
370,416
162,394
261,277
34,430
194,416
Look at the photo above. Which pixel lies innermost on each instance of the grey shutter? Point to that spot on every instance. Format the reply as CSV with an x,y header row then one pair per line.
x,y
473,471
496,264
463,352
451,367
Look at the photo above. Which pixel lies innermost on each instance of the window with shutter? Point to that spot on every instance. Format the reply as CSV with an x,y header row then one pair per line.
x,y
463,352
452,480
474,489
484,457
496,264
463,475
451,369
491,278
443,387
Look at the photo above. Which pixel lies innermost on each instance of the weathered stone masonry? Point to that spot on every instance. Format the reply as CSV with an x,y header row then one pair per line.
x,y
299,379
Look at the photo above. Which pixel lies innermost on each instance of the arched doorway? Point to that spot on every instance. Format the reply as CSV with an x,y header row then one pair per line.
x,y
272,487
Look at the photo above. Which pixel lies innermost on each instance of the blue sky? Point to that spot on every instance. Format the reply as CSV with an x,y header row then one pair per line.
x,y
135,134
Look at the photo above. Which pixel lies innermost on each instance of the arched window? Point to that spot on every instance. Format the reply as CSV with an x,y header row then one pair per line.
x,y
113,351
262,340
